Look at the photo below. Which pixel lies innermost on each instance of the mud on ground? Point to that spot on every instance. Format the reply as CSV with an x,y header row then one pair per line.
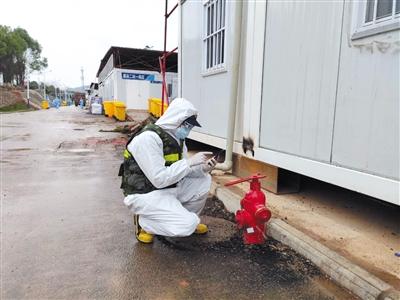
x,y
272,258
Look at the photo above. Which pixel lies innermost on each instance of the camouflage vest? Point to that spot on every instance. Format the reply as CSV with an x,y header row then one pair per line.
x,y
133,179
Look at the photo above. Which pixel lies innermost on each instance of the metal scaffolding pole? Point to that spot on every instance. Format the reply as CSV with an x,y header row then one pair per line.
x,y
163,58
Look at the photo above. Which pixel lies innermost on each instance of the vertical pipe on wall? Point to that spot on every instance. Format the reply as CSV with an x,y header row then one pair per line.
x,y
180,50
164,57
237,30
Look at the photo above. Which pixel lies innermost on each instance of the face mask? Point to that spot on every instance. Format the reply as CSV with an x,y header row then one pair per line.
x,y
182,132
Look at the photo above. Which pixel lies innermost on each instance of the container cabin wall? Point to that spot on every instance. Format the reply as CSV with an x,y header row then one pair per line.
x,y
107,87
330,104
330,98
107,80
209,93
107,69
315,102
366,133
302,44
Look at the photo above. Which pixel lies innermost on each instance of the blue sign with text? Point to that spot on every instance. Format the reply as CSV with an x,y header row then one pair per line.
x,y
138,76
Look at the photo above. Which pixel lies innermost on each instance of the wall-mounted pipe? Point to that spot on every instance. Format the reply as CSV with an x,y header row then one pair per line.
x,y
230,136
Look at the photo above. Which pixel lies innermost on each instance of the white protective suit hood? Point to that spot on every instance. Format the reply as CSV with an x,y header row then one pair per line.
x,y
178,111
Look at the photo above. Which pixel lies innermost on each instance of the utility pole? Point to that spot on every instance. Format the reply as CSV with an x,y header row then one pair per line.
x,y
27,88
44,86
28,57
82,80
44,83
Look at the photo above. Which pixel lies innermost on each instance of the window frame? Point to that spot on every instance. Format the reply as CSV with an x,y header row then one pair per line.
x,y
362,29
216,68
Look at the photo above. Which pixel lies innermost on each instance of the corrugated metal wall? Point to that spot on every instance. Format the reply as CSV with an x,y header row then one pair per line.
x,y
366,135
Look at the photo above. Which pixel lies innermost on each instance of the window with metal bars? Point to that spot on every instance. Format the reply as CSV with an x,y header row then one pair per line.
x,y
376,16
381,10
214,35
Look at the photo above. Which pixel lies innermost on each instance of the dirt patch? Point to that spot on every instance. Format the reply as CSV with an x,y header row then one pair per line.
x,y
361,228
93,142
10,96
132,128
93,120
215,208
219,230
272,257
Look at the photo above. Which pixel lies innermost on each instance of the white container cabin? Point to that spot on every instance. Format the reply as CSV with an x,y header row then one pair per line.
x,y
132,76
317,85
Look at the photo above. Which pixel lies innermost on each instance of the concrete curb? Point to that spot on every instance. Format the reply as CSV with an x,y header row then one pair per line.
x,y
342,271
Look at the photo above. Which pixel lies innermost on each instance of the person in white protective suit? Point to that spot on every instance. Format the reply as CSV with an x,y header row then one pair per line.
x,y
179,189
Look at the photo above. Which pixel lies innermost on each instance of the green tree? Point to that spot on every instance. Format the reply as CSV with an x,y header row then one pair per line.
x,y
19,51
50,90
33,85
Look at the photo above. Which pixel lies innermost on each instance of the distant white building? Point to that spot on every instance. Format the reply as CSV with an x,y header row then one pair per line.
x,y
93,89
132,76
317,85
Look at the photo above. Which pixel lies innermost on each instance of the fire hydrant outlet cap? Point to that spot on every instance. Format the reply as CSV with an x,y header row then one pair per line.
x,y
263,214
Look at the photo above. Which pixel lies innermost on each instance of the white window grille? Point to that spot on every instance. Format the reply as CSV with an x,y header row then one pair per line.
x,y
380,10
214,35
376,16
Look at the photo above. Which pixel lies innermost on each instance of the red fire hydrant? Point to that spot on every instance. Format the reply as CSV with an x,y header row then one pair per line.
x,y
254,214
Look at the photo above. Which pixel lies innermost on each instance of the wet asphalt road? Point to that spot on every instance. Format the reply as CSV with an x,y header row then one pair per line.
x,y
67,235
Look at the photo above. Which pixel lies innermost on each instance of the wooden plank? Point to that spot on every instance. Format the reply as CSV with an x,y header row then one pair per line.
x,y
244,167
278,181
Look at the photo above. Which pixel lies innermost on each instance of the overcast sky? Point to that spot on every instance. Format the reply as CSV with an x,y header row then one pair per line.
x,y
76,34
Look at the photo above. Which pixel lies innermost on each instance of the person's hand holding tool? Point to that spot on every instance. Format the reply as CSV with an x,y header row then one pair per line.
x,y
198,159
210,165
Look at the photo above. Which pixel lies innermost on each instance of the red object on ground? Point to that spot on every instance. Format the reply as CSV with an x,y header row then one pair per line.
x,y
254,214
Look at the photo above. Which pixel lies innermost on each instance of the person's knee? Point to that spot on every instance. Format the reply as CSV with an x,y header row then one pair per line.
x,y
188,226
205,185
192,222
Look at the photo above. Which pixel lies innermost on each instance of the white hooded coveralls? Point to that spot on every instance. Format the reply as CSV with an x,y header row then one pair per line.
x,y
171,211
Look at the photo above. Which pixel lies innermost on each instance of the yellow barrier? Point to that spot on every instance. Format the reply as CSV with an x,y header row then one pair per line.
x,y
45,104
108,108
120,110
155,107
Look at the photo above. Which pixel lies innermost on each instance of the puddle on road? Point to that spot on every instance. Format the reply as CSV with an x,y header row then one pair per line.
x,y
84,150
